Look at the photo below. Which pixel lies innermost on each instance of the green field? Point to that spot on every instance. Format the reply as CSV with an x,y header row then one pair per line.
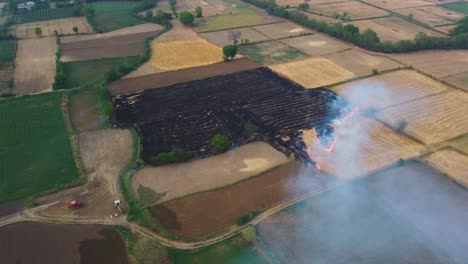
x,y
272,52
45,14
79,73
35,151
242,19
111,16
7,51
231,251
457,6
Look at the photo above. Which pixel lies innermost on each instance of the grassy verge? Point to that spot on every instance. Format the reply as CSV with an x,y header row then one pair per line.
x,y
36,155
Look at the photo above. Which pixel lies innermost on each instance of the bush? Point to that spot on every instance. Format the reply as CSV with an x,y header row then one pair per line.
x,y
251,129
176,155
247,218
375,71
220,142
198,11
186,18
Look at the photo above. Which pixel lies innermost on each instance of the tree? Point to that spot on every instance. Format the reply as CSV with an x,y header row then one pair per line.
x,y
303,6
220,142
148,251
149,15
162,16
75,29
229,52
38,31
198,11
186,18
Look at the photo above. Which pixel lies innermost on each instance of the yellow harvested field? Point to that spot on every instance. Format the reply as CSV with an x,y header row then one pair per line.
x,y
316,44
62,26
362,63
389,89
398,4
178,32
394,28
313,72
438,63
432,119
420,15
184,54
34,65
355,10
363,146
451,163
179,180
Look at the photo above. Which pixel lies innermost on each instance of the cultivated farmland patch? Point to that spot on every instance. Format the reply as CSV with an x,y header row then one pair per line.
x,y
459,80
419,14
224,37
433,119
313,72
34,65
394,28
354,9
169,181
237,20
389,89
398,4
184,54
316,44
209,7
272,52
86,111
450,15
282,30
112,15
362,63
451,163
61,26
364,144
318,17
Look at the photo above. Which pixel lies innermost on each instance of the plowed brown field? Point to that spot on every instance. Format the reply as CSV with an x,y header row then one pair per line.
x,y
313,72
389,89
451,163
432,119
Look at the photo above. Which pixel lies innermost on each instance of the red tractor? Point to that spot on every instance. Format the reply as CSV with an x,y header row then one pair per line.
x,y
75,204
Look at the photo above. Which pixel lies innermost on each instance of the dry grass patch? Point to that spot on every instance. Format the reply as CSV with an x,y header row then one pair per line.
x,y
438,63
62,26
34,65
432,119
221,38
316,44
282,30
363,146
355,10
389,89
394,28
179,180
398,4
313,72
184,54
362,63
451,163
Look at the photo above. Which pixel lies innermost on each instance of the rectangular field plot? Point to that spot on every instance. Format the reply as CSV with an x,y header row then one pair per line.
x,y
398,4
282,30
34,65
397,213
364,145
36,154
316,44
389,89
114,15
272,52
45,14
209,7
432,119
440,11
319,17
207,174
61,26
451,163
355,10
438,63
313,72
225,37
233,21
362,63
184,54
459,80
421,15
394,28
204,213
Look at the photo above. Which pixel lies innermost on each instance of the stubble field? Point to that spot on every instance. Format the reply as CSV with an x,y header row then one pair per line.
x,y
282,30
61,26
355,10
451,163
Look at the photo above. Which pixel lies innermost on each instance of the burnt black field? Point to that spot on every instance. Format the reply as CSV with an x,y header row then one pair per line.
x,y
188,115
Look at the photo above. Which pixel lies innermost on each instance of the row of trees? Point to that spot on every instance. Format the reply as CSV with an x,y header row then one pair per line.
x,y
368,39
